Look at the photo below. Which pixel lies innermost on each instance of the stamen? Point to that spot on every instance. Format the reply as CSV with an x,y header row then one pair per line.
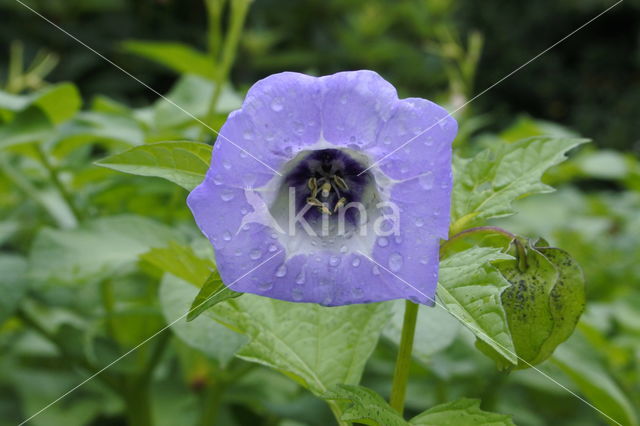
x,y
313,185
314,202
340,183
324,209
341,202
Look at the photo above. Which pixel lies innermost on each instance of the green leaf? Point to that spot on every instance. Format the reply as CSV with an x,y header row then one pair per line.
x,y
485,185
181,261
59,102
463,412
369,408
436,329
212,292
470,287
211,338
30,125
183,163
13,284
316,346
99,249
176,56
366,406
578,360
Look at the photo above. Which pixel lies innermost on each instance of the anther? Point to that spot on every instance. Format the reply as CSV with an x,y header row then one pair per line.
x,y
341,202
314,202
326,189
313,185
340,182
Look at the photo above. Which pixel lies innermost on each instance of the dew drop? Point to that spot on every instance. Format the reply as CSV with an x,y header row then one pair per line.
x,y
386,140
238,252
426,180
343,99
276,105
226,236
244,211
419,222
383,242
395,262
334,260
398,239
217,180
297,293
343,249
227,195
355,262
352,138
358,293
424,260
265,286
226,165
255,254
272,248
281,271
300,278
375,270
248,135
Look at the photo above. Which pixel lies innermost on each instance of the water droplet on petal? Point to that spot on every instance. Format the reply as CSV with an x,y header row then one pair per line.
x,y
276,104
424,260
334,260
226,236
300,278
419,222
265,286
358,293
227,195
383,242
248,135
281,271
226,165
375,270
343,249
297,293
386,140
355,262
352,138
426,180
255,254
272,248
395,262
238,252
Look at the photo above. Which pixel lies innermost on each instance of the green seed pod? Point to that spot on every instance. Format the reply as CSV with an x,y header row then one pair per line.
x,y
543,303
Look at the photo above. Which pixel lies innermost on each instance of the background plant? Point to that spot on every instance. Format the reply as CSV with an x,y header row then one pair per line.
x,y
94,261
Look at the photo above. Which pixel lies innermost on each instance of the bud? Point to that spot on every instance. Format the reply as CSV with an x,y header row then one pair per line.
x,y
543,303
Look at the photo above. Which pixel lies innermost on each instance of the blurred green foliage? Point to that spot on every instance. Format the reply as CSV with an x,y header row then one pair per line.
x,y
93,261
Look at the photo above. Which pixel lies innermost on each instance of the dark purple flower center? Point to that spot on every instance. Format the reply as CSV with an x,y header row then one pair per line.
x,y
328,180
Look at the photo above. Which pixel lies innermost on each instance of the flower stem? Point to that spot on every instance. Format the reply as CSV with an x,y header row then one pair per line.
x,y
53,173
403,361
239,9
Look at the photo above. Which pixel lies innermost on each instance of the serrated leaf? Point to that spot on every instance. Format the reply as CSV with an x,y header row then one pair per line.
x,y
212,292
100,248
183,163
485,186
177,56
211,338
470,287
463,412
317,346
13,284
366,406
181,261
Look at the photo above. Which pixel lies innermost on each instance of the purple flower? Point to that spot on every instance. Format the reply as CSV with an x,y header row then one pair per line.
x,y
314,194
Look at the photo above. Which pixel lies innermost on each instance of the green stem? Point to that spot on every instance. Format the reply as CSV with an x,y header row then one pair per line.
x,y
214,33
239,9
55,178
211,401
137,403
403,361
337,412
